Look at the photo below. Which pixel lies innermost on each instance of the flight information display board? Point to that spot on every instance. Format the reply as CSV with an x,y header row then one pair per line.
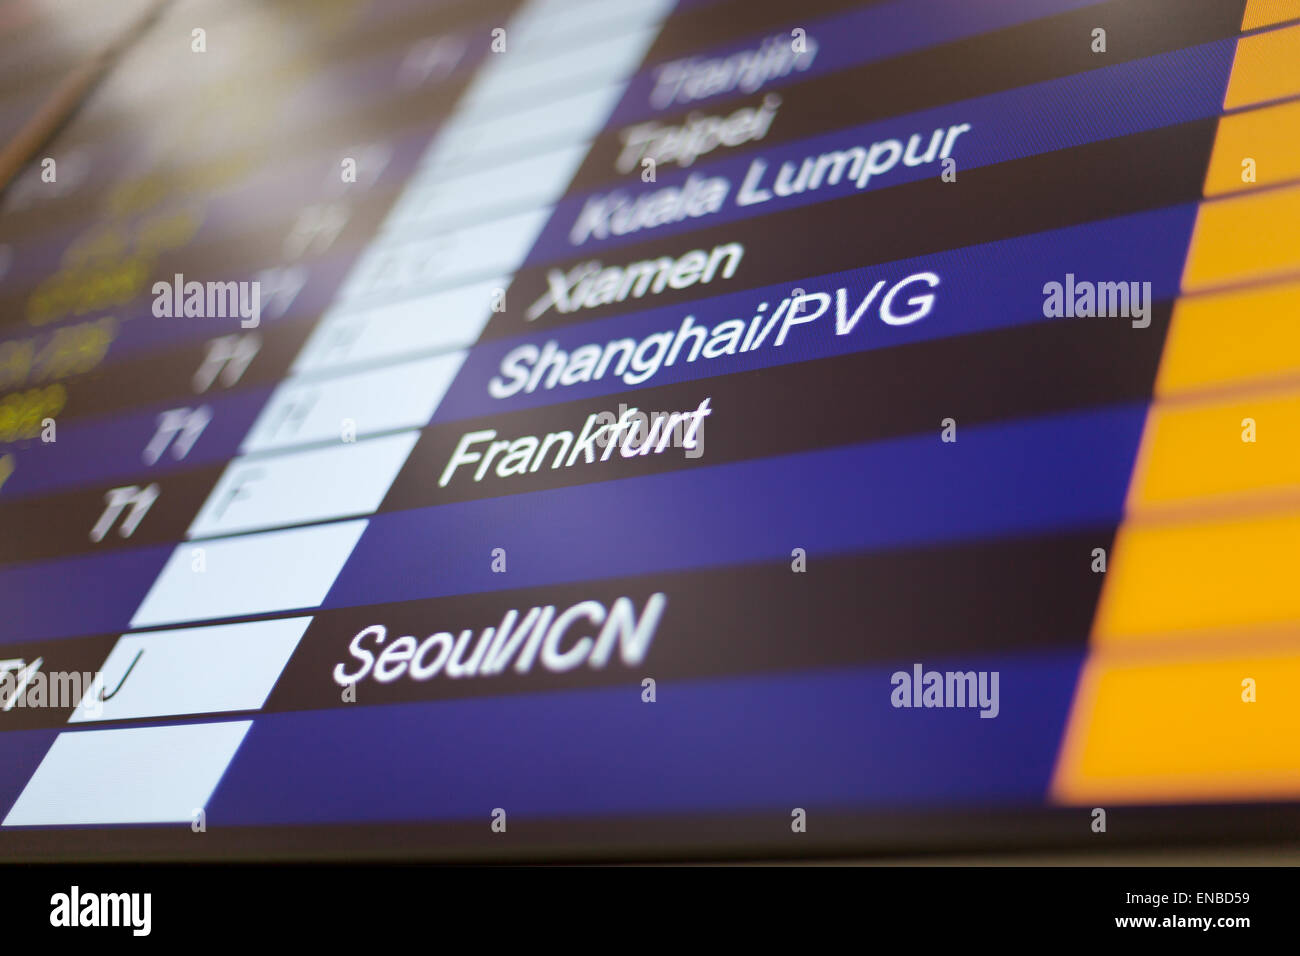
x,y
567,428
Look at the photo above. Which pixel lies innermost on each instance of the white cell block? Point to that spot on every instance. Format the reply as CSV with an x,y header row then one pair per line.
x,y
360,404
537,179
475,140
252,574
128,775
395,269
341,480
554,70
451,319
571,22
197,670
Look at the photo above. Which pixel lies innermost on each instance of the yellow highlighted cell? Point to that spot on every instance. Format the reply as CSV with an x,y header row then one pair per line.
x,y
1178,730
1196,452
1262,13
1228,338
1264,68
1244,238
1268,138
1202,576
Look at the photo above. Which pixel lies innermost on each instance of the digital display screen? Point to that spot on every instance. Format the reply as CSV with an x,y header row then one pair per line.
x,y
617,429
